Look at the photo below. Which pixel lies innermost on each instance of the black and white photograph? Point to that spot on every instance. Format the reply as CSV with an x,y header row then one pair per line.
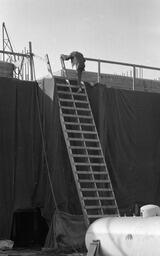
x,y
79,128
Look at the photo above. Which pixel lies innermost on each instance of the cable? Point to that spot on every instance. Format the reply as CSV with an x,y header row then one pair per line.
x,y
43,146
40,58
46,160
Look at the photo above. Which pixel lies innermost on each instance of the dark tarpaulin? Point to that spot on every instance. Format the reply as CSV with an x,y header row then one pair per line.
x,y
19,146
129,127
7,155
26,127
59,165
128,123
66,231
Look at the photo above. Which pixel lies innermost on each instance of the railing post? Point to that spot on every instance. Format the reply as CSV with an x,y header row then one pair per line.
x,y
99,71
134,77
31,60
3,41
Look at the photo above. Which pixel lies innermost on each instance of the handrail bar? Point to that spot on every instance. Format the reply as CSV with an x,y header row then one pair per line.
x,y
123,63
16,53
134,66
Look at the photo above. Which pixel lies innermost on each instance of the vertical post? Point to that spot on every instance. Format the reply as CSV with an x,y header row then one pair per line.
x,y
64,70
134,77
22,66
49,65
18,68
99,71
3,41
25,66
31,60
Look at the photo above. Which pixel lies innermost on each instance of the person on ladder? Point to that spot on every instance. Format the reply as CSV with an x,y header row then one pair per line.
x,y
78,60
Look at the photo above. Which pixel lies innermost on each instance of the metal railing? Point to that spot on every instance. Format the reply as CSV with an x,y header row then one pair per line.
x,y
133,66
25,64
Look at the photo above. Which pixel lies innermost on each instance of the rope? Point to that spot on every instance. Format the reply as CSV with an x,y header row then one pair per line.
x,y
39,57
44,148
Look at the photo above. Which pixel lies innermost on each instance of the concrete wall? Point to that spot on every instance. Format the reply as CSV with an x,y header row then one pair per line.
x,y
116,81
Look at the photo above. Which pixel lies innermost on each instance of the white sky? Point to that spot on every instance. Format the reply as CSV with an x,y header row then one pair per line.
x,y
118,30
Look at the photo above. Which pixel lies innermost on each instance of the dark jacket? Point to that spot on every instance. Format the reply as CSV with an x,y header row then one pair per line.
x,y
77,59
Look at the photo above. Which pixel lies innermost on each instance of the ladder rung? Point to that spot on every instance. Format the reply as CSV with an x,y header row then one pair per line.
x,y
81,131
88,156
77,116
80,124
94,181
94,172
95,189
76,139
98,198
75,108
67,85
88,148
84,139
74,101
90,164
100,207
72,93
81,101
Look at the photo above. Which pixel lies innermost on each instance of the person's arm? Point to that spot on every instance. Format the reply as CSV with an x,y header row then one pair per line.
x,y
66,57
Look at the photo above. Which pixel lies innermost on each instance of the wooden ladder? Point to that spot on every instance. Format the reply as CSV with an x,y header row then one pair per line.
x,y
88,164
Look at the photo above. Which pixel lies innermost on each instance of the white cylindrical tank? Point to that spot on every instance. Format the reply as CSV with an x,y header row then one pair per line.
x,y
126,236
150,210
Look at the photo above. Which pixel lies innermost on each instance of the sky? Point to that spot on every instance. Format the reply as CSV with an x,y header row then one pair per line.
x,y
116,30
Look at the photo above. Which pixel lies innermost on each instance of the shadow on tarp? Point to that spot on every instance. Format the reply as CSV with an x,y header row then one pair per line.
x,y
66,233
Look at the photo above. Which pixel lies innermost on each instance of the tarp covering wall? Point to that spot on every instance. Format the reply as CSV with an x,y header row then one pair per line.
x,y
128,123
19,149
129,127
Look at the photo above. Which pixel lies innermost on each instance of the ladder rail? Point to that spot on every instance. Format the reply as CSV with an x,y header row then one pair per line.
x,y
98,139
69,149
82,163
90,167
73,167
